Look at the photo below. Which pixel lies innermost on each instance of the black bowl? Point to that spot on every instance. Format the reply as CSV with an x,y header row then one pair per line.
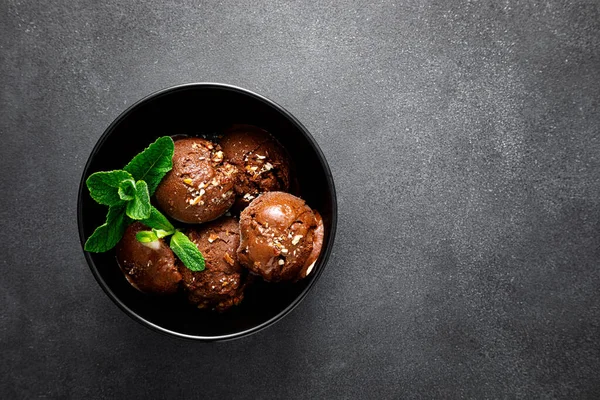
x,y
196,109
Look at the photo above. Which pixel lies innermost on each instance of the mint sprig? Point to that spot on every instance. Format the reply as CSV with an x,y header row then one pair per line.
x,y
127,193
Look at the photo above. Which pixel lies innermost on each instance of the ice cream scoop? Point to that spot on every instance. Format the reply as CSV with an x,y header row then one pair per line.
x,y
199,188
262,163
149,267
280,237
221,284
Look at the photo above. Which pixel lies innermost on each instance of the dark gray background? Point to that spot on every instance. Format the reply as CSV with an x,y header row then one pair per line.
x,y
464,141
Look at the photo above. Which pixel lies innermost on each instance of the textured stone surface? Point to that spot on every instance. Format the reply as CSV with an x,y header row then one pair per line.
x,y
464,140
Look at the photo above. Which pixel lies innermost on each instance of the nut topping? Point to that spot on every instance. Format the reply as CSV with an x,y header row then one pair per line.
x,y
296,239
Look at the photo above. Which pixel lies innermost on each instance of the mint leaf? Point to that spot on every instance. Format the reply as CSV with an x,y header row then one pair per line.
x,y
127,190
161,233
104,186
158,222
107,235
139,207
187,252
153,163
145,236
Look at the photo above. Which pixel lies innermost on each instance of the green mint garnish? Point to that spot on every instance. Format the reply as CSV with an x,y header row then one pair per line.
x,y
161,234
104,187
127,193
107,235
139,207
183,247
158,221
187,252
146,236
126,189
152,164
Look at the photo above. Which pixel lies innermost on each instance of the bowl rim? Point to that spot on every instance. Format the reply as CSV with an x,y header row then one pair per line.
x,y
328,176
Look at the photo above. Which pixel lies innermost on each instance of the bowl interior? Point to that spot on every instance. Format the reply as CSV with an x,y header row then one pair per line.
x,y
195,110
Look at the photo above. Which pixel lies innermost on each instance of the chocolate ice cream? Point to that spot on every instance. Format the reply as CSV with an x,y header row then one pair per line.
x,y
221,284
278,233
149,267
263,165
199,188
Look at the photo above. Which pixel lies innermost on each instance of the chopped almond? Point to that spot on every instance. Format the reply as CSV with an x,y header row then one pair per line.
x,y
296,239
218,157
229,259
195,201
